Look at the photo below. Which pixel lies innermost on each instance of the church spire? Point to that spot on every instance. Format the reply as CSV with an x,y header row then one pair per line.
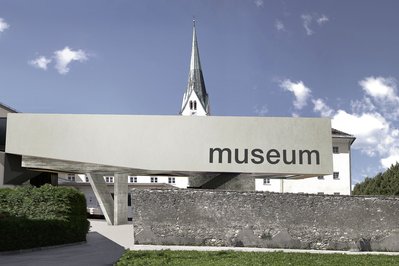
x,y
195,99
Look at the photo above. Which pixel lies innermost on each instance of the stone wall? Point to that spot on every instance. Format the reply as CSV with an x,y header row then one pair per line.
x,y
264,219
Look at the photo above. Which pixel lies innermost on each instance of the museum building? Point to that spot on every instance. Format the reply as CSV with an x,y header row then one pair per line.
x,y
195,103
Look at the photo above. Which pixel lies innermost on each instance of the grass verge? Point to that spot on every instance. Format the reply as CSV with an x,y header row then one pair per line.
x,y
168,257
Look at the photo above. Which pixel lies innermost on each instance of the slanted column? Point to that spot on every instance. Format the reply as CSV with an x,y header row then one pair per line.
x,y
120,198
103,196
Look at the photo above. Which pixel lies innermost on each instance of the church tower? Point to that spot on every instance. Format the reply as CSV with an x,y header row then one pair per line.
x,y
195,99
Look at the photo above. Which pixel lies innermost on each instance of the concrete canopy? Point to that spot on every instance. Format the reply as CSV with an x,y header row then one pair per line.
x,y
172,145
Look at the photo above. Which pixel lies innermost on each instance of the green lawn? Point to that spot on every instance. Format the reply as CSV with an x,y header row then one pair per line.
x,y
167,257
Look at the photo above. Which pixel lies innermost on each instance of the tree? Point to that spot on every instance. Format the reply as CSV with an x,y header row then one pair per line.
x,y
386,183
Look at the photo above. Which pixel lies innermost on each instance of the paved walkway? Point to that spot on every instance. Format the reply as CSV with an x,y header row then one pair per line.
x,y
105,245
98,250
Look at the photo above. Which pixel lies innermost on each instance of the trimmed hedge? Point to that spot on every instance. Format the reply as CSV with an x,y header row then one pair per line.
x,y
35,217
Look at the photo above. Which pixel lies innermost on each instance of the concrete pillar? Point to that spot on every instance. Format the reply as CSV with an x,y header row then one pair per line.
x,y
103,196
132,205
120,198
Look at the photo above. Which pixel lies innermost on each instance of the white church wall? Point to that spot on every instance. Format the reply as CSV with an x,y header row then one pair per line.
x,y
199,110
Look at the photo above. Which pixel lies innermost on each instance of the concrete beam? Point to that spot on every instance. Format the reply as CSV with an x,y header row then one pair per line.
x,y
120,198
213,148
103,196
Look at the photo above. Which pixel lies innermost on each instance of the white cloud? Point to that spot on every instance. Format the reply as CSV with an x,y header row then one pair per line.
x,y
294,114
360,125
40,62
66,56
380,88
300,91
307,21
3,25
279,25
259,3
393,158
381,94
363,106
373,119
322,19
261,111
371,130
321,107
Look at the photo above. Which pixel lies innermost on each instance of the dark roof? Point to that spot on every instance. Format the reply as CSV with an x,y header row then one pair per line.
x,y
340,134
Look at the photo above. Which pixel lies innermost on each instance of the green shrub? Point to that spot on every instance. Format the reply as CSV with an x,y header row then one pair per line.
x,y
386,183
34,217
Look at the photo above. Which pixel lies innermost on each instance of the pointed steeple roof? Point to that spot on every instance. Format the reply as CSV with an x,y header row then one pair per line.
x,y
196,82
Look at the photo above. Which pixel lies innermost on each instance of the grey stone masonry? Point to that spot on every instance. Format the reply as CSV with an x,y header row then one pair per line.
x,y
265,219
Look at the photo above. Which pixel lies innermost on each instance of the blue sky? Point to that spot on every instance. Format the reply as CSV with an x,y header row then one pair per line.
x,y
337,59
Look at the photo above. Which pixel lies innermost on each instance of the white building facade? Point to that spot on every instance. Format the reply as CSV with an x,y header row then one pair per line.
x,y
339,183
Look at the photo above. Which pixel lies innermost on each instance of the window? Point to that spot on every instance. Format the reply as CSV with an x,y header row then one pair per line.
x,y
266,181
129,199
335,149
171,180
154,179
193,106
320,177
109,179
337,193
336,175
133,179
71,177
